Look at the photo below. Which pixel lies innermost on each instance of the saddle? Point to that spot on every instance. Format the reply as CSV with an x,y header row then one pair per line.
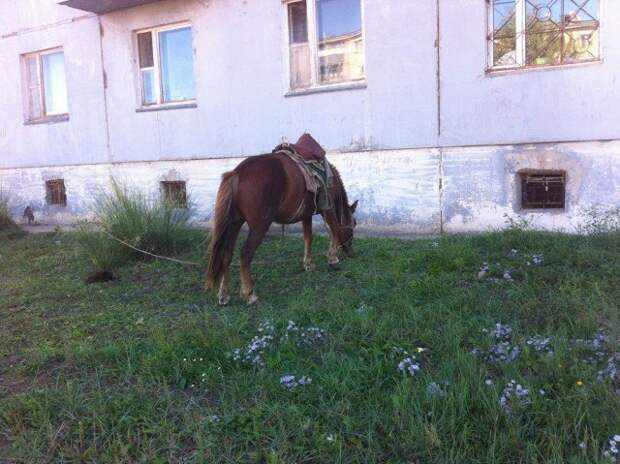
x,y
309,156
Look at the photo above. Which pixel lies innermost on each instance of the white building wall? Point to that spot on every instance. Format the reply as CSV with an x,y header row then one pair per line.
x,y
563,103
424,152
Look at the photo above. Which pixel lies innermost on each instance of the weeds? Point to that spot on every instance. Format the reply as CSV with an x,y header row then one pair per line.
x,y
6,219
599,220
8,228
128,215
103,252
154,226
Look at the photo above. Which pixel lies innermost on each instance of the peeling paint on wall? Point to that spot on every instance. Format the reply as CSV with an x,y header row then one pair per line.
x,y
398,190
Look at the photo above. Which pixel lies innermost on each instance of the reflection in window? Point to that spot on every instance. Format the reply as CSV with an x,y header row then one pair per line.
x,y
341,55
166,65
177,64
325,42
45,84
55,89
549,32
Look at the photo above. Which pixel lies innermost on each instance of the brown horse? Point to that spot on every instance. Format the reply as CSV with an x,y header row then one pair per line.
x,y
265,189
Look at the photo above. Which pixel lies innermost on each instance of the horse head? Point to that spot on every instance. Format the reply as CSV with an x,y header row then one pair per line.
x,y
347,226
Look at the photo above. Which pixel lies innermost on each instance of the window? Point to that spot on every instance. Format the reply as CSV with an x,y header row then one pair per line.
x,y
543,32
45,94
165,58
174,193
543,191
325,42
55,192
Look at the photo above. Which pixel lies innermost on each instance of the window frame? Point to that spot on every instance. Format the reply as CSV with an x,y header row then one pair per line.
x,y
56,192
527,205
520,46
313,45
157,71
29,118
177,201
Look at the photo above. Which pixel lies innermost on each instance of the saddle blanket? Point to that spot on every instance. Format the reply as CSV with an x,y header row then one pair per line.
x,y
318,175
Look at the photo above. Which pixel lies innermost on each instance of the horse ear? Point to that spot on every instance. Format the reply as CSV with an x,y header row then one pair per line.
x,y
353,207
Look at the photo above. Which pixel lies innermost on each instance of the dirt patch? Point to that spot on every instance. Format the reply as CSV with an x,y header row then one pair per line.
x,y
10,361
13,382
5,444
14,386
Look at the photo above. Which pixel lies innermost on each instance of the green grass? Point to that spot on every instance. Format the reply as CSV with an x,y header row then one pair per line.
x,y
139,369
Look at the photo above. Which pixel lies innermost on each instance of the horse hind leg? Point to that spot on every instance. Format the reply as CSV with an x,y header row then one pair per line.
x,y
255,237
308,263
223,294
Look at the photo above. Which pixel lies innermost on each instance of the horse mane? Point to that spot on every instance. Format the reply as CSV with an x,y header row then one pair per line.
x,y
341,201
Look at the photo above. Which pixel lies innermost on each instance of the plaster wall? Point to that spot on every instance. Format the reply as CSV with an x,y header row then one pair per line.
x,y
398,190
431,141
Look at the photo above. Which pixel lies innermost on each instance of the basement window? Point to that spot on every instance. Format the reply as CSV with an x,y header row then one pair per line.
x,y
166,62
543,190
55,192
530,33
174,193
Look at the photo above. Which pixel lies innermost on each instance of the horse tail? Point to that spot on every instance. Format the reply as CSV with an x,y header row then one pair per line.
x,y
222,240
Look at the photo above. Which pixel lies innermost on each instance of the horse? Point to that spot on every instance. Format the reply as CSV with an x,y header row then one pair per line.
x,y
261,190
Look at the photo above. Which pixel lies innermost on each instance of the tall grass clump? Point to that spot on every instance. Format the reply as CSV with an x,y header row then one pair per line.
x,y
154,226
103,252
123,214
6,220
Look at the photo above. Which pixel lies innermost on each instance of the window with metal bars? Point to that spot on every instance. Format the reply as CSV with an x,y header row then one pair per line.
x,y
174,193
529,33
543,191
55,192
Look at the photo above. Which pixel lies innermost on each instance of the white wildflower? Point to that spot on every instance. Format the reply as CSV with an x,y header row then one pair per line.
x,y
437,389
513,394
538,260
291,382
502,331
408,366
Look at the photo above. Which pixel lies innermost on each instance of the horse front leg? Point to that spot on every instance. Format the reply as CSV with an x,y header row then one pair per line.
x,y
308,263
255,237
332,253
334,246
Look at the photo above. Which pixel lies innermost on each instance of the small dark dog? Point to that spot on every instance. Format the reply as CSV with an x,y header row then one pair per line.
x,y
28,215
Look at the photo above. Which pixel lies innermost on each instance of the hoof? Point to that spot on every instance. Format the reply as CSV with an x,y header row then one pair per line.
x,y
251,299
334,266
309,267
223,300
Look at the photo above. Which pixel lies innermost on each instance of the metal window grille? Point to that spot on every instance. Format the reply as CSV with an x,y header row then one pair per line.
x,y
543,32
543,191
175,193
55,192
